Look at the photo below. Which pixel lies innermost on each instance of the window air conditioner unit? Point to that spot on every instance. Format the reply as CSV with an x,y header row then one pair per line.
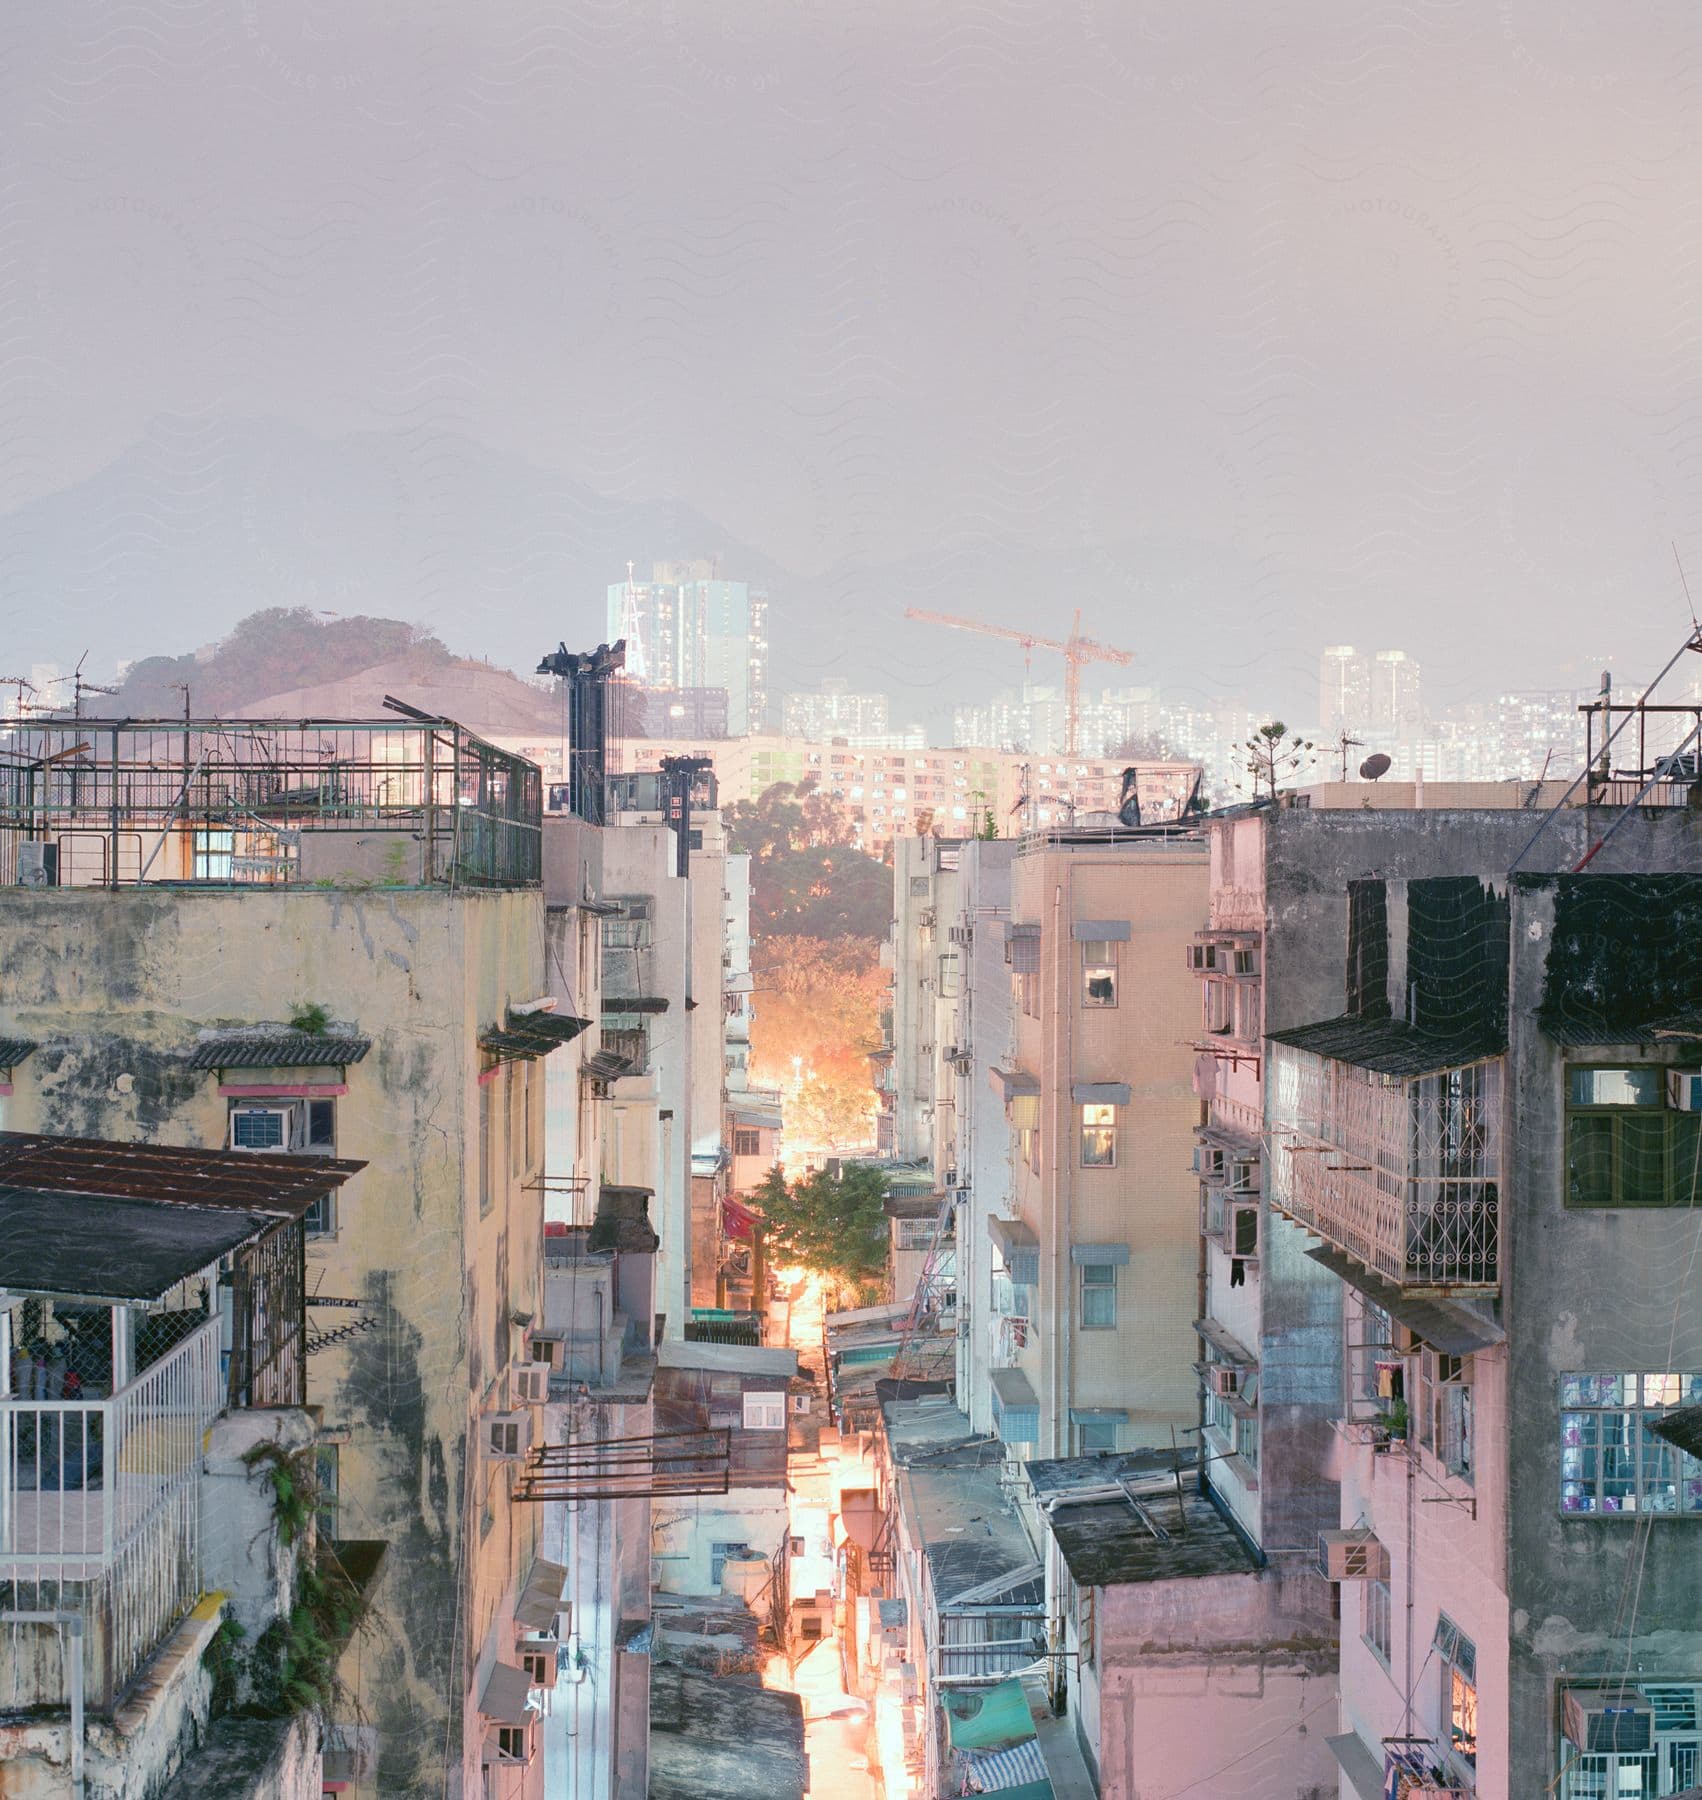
x,y
531,1383
1609,1721
1208,1160
1202,958
1356,1555
262,1129
512,1745
548,1352
508,1436
1684,1090
1225,1380
1244,1175
962,934
542,1666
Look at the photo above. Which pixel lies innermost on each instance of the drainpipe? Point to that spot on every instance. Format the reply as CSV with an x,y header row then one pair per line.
x,y
72,1662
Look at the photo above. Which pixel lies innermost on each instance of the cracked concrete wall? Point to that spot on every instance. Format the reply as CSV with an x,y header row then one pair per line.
x,y
115,984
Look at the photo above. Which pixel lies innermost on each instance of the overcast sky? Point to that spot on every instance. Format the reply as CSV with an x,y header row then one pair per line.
x,y
1246,328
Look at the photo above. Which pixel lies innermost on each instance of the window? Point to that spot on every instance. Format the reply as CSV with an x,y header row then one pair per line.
x,y
916,1234
1087,1624
515,1080
746,1142
1375,1610
320,1219
1457,1657
1093,1435
1098,1137
1098,1296
1247,1441
261,1128
1624,1146
326,1473
1098,973
1445,1409
765,1412
1609,1461
215,855
487,1135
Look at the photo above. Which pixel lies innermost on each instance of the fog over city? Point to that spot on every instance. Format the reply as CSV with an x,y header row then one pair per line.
x,y
1246,333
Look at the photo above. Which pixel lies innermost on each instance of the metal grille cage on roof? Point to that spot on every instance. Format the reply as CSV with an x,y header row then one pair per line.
x,y
267,1048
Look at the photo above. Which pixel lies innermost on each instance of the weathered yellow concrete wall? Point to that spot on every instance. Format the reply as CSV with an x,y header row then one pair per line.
x,y
119,984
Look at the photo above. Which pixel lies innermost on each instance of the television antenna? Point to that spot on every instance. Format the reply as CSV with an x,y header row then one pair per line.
x,y
23,685
79,687
1344,744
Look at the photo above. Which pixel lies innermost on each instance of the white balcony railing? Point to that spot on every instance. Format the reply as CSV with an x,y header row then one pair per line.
x,y
99,1505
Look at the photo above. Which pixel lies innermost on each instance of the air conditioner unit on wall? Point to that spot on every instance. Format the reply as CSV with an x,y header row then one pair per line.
x,y
542,1665
1606,1721
1356,1555
530,1383
1684,1090
262,1130
1225,1380
508,1436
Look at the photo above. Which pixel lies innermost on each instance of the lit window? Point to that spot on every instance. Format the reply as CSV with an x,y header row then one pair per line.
x,y
1610,1462
1098,973
1099,1296
1458,1658
1099,1137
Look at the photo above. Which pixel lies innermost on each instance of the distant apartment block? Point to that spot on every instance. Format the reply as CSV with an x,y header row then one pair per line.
x,y
688,628
833,711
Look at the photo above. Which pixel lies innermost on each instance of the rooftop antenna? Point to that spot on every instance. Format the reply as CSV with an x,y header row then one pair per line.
x,y
1374,767
80,687
1344,744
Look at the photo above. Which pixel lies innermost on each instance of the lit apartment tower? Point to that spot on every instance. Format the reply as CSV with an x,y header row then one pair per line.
x,y
1488,1127
1397,709
1100,1244
833,711
329,939
687,628
1344,689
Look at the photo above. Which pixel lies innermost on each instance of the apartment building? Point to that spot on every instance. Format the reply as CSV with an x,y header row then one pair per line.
x,y
886,795
1100,1242
1474,1111
329,940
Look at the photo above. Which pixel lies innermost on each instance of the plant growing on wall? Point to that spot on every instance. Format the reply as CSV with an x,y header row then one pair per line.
x,y
311,1017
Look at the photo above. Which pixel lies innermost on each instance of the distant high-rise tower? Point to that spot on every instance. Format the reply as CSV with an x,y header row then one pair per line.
x,y
1397,710
686,628
1344,689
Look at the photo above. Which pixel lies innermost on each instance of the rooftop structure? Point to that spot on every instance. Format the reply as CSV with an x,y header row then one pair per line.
x,y
408,802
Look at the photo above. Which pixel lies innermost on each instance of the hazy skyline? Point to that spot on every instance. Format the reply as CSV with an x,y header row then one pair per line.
x,y
1245,333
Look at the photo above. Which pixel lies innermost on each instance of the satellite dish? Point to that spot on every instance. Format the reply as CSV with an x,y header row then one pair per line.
x,y
1373,767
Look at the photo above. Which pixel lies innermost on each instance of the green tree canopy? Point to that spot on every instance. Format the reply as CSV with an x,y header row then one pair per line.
x,y
832,1224
807,879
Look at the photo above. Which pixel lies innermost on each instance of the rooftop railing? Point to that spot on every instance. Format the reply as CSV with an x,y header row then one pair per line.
x,y
329,803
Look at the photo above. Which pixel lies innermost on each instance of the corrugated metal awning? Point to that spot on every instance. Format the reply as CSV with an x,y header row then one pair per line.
x,y
1443,1325
1009,1083
14,1050
1229,1347
528,1035
1390,1046
275,1047
540,1599
1363,1771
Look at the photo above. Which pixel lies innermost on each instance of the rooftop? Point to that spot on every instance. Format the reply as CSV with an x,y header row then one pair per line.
x,y
723,1739
1106,1542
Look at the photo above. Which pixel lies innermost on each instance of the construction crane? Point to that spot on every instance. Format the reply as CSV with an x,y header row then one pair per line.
x,y
1075,650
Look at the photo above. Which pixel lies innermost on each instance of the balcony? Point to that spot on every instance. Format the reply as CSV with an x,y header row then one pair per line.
x,y
1386,1143
266,803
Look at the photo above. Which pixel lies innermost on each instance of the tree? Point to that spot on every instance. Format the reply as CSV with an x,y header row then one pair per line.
x,y
1273,754
835,1225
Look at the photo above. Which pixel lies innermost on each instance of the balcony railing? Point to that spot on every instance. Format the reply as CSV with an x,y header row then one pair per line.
x,y
1401,1173
99,1510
